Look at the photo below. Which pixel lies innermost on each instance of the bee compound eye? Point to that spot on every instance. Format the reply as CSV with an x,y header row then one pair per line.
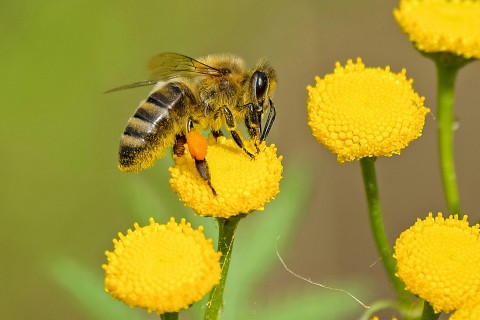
x,y
261,83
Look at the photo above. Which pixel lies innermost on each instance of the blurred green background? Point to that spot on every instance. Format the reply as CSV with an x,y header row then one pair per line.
x,y
63,199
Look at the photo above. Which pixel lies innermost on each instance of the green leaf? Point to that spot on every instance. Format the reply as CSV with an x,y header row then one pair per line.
x,y
86,287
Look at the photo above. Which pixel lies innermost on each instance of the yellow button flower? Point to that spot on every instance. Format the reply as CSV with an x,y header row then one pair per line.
x,y
438,259
242,185
163,268
359,112
442,25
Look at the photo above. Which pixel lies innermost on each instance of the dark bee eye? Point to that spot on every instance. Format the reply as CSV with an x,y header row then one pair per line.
x,y
260,82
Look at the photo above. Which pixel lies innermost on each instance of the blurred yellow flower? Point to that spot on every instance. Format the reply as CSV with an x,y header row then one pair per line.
x,y
442,25
438,259
242,184
359,112
163,268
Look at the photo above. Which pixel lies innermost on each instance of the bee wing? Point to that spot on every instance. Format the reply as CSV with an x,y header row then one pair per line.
x,y
166,66
172,65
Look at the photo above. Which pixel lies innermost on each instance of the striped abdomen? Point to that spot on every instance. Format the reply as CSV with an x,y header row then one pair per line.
x,y
153,126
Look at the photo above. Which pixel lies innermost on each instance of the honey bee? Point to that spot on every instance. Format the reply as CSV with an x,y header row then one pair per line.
x,y
212,92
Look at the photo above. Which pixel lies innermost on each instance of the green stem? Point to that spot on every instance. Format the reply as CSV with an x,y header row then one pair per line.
x,y
169,316
376,222
446,74
428,313
226,231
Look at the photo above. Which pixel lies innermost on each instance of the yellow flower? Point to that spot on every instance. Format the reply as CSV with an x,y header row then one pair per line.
x,y
359,112
163,268
438,259
469,311
442,25
242,185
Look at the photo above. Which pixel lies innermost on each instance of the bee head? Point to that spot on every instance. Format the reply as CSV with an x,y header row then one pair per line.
x,y
262,84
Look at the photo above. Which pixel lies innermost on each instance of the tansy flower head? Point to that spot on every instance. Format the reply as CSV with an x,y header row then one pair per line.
x,y
242,184
442,25
359,112
438,259
163,268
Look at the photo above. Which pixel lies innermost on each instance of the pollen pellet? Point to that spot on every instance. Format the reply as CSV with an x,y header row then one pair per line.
x,y
197,145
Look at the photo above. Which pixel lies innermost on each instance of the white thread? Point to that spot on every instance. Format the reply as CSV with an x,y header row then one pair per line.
x,y
314,283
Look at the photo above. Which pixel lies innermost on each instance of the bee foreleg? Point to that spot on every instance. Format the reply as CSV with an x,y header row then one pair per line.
x,y
230,122
254,124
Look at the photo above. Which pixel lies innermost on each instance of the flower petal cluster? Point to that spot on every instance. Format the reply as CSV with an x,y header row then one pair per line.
x,y
442,25
242,184
163,268
438,259
359,112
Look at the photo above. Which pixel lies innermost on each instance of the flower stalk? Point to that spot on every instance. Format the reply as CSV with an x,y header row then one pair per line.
x,y
446,75
378,230
226,232
428,313
169,316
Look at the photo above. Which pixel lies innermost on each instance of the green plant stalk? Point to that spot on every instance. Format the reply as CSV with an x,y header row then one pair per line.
x,y
378,230
226,232
428,313
446,74
169,316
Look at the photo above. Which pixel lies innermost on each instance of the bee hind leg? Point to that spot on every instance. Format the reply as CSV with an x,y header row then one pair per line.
x,y
202,168
197,146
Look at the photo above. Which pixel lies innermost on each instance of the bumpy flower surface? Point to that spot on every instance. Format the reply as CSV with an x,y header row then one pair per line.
x,y
469,311
442,25
242,184
438,259
359,112
163,268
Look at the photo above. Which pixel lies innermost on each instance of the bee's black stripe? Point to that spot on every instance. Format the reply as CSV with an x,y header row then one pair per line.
x,y
144,115
159,99
132,132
